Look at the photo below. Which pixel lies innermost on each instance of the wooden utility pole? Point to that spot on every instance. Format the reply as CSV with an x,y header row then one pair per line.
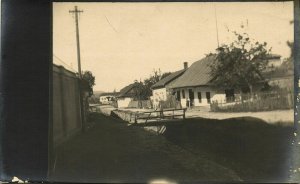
x,y
216,26
76,12
81,95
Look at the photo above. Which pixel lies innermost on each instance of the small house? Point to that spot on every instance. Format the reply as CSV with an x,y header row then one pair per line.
x,y
274,60
161,89
107,98
126,95
194,87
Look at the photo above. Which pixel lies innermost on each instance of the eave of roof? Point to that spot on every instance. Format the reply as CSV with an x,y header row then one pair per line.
x,y
163,82
273,56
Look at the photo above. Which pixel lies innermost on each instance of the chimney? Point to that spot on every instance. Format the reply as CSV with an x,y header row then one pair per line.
x,y
185,65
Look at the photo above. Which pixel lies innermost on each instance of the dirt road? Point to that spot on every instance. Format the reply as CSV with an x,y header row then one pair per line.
x,y
113,152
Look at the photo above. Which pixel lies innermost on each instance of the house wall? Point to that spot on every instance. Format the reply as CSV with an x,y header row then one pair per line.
x,y
104,99
66,104
283,82
159,95
124,102
274,62
215,95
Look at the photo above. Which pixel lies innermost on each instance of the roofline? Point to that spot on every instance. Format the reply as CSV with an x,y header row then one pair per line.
x,y
206,85
163,86
124,96
131,86
157,87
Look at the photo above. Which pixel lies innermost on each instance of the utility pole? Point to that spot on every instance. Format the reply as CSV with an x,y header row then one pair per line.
x,y
76,12
216,26
81,95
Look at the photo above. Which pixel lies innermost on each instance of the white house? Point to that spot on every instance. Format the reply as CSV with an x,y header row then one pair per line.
x,y
193,87
126,95
160,90
106,98
274,60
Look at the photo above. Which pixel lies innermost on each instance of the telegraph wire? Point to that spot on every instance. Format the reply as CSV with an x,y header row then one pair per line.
x,y
70,67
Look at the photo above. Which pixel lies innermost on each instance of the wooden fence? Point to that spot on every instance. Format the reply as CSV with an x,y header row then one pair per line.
x,y
157,115
169,103
262,101
67,117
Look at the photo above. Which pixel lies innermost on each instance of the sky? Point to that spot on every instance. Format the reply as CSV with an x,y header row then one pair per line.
x,y
123,42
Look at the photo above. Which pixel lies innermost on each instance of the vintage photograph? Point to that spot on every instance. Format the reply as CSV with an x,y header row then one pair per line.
x,y
172,92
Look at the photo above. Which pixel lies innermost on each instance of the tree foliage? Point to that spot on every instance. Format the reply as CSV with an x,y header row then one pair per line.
x,y
240,64
143,89
90,78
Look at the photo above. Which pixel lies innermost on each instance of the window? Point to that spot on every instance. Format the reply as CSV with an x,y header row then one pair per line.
x,y
183,94
229,93
191,97
191,94
208,97
199,97
178,95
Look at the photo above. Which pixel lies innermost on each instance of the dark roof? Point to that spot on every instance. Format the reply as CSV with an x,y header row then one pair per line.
x,y
198,74
109,94
163,82
124,92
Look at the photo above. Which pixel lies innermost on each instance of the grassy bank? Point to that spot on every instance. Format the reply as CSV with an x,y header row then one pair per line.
x,y
255,150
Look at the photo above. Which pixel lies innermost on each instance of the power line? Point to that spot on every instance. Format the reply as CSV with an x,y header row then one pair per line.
x,y
70,67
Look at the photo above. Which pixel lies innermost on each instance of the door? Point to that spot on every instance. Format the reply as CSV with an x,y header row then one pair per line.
x,y
191,97
199,97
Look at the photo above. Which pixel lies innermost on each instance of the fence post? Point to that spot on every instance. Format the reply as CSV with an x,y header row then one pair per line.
x,y
162,113
173,114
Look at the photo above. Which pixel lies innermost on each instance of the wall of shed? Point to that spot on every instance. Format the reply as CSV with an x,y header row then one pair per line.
x,y
159,95
66,105
124,102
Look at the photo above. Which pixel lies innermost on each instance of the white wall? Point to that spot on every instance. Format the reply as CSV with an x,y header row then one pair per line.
x,y
104,99
123,102
159,95
274,62
214,96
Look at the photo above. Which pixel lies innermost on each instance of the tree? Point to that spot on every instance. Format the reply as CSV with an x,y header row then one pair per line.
x,y
148,82
94,99
289,62
138,91
240,64
165,75
143,89
90,78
